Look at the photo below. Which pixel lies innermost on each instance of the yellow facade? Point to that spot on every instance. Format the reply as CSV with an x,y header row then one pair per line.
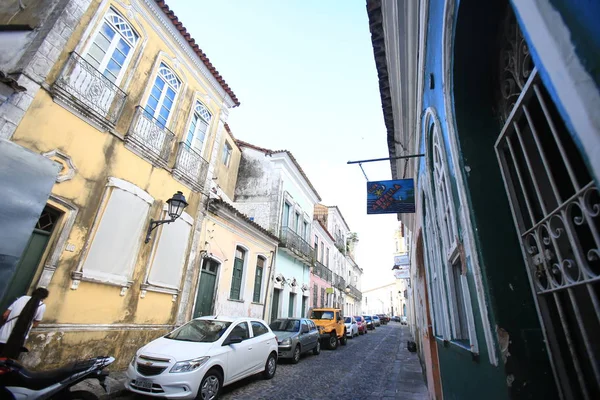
x,y
85,317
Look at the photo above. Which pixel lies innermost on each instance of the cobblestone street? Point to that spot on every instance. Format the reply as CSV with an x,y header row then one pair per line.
x,y
375,366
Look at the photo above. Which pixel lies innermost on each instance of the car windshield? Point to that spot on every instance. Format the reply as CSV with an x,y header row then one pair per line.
x,y
348,320
200,330
368,318
358,319
285,325
322,315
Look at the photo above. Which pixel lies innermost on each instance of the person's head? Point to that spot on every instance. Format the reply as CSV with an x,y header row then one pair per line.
x,y
40,293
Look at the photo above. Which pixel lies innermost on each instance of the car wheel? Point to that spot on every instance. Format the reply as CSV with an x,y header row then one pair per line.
x,y
296,356
270,366
344,340
317,349
210,387
333,341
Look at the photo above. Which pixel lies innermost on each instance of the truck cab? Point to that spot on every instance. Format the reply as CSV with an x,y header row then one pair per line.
x,y
330,323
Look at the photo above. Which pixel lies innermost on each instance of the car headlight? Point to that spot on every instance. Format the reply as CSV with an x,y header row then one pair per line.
x,y
321,328
286,342
189,365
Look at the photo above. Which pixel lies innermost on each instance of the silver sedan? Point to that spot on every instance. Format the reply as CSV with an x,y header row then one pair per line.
x,y
296,336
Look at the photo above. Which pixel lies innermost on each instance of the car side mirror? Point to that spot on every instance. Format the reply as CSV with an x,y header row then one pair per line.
x,y
232,340
304,329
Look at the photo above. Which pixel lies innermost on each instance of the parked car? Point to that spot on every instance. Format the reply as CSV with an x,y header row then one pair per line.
x,y
404,320
331,326
396,318
362,325
351,327
376,320
296,336
202,356
369,321
383,318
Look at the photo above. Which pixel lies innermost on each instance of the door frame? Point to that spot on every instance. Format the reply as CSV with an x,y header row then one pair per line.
x,y
215,290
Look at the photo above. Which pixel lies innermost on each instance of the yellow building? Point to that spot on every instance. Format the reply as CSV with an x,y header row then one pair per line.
x,y
132,110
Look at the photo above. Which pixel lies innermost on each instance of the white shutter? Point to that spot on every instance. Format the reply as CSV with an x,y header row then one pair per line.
x,y
115,245
169,257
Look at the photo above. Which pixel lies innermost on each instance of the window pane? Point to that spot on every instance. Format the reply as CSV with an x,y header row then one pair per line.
x,y
159,83
168,103
241,330
123,47
170,94
164,114
108,32
115,245
170,254
258,328
95,55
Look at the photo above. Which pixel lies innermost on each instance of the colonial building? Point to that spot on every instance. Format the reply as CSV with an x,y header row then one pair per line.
x,y
501,99
321,278
123,101
273,190
237,253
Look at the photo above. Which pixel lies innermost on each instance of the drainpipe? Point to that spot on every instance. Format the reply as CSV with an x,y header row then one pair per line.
x,y
269,294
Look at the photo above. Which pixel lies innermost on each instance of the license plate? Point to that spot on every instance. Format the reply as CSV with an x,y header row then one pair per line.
x,y
143,383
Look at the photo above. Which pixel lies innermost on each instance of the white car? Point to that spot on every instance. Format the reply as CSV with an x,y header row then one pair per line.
x,y
201,357
351,327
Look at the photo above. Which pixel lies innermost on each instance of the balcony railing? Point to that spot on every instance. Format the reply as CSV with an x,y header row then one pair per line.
x,y
354,292
322,271
89,92
292,241
339,243
339,282
190,167
150,138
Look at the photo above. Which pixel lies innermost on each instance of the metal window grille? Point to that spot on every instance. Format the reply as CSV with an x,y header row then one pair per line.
x,y
556,209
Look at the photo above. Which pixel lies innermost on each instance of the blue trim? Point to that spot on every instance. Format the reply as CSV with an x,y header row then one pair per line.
x,y
545,76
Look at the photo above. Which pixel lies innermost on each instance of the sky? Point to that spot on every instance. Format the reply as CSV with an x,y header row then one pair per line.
x,y
305,75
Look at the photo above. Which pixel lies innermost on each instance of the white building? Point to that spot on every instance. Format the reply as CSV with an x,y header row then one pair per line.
x,y
273,191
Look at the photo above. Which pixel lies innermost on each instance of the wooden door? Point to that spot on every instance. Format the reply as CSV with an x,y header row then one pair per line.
x,y
205,297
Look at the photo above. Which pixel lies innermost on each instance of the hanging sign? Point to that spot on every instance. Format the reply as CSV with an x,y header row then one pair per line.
x,y
402,273
401,259
391,197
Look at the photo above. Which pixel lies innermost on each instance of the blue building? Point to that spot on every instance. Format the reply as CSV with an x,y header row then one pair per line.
x,y
502,99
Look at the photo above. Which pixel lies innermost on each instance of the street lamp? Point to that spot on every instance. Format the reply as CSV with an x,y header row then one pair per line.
x,y
348,289
176,205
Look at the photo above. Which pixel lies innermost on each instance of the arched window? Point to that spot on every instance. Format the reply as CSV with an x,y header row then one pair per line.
x,y
443,194
196,135
112,47
162,96
444,242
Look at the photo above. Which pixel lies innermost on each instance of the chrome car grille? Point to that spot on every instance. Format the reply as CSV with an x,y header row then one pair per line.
x,y
149,370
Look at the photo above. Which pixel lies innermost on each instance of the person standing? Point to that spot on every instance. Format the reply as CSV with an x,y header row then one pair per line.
x,y
26,312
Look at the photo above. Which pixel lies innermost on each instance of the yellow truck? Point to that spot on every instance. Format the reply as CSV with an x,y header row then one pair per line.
x,y
331,326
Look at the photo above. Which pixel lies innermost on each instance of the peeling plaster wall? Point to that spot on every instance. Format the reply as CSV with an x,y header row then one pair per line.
x,y
258,189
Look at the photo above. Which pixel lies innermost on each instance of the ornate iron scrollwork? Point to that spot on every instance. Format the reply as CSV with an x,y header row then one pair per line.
x,y
515,65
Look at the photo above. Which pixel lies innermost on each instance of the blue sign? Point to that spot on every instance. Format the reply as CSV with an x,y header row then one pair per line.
x,y
391,197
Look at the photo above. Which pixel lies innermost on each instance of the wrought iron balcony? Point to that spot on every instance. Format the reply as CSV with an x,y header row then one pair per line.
x,y
354,292
149,138
86,90
322,271
339,282
190,167
340,244
294,243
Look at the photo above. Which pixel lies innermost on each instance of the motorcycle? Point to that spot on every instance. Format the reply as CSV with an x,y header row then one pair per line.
x,y
17,382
